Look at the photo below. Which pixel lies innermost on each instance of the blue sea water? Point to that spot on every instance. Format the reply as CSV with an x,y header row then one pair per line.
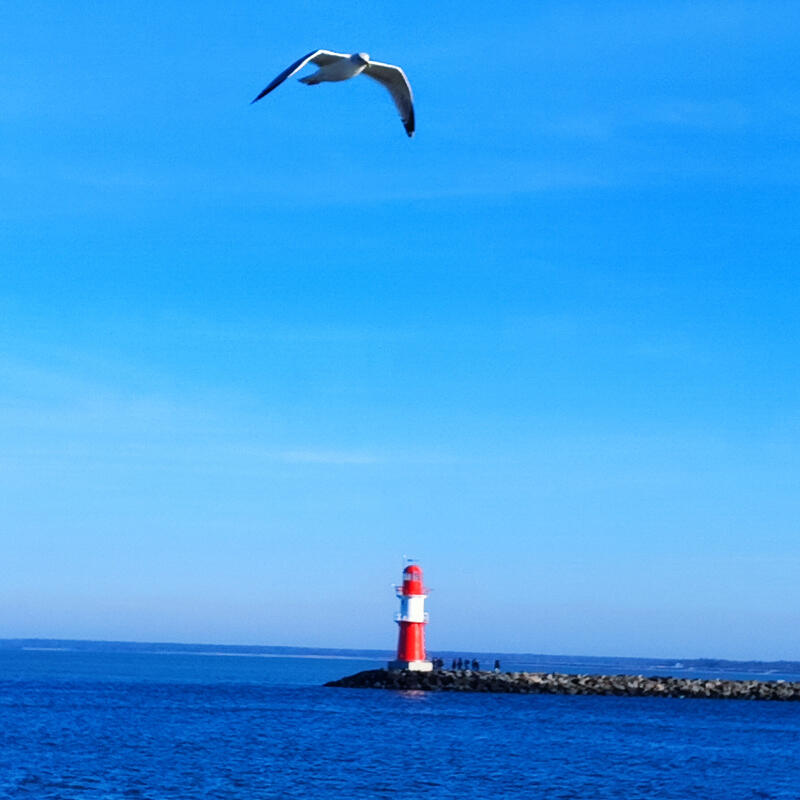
x,y
183,725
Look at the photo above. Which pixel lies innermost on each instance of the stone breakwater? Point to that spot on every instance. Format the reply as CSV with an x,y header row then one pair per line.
x,y
559,683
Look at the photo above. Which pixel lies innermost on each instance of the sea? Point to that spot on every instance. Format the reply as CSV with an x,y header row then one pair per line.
x,y
150,721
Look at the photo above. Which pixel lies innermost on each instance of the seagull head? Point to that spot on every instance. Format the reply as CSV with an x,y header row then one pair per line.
x,y
360,58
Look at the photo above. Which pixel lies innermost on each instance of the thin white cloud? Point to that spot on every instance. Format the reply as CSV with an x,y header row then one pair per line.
x,y
719,114
342,457
63,417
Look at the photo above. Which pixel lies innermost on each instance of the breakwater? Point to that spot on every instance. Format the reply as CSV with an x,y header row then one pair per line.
x,y
561,683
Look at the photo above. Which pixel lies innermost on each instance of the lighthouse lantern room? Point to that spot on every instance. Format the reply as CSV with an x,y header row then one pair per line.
x,y
412,620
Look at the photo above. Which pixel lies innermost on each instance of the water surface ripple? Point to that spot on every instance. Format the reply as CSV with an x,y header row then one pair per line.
x,y
155,726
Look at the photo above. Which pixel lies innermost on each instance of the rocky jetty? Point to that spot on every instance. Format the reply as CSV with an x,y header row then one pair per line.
x,y
559,683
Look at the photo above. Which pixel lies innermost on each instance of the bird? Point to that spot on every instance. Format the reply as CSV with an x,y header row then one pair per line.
x,y
342,67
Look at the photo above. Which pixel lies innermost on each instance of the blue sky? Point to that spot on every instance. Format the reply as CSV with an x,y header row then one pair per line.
x,y
250,356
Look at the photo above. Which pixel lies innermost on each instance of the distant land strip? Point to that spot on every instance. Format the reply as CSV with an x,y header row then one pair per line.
x,y
518,661
561,683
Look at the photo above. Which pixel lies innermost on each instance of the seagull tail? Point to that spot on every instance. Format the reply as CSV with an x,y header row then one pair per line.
x,y
309,80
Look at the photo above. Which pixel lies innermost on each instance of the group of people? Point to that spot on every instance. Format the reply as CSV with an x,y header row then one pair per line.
x,y
464,663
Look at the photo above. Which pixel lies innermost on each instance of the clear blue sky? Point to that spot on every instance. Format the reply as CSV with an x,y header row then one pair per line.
x,y
252,355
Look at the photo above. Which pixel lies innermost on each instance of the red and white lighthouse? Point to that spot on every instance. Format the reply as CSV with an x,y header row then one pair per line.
x,y
412,620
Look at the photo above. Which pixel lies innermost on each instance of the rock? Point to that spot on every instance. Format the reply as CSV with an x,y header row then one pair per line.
x,y
556,683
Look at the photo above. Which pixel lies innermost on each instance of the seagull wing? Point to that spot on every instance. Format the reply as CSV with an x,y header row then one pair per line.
x,y
320,57
394,79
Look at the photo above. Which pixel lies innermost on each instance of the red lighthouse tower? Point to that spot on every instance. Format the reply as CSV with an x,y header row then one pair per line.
x,y
412,620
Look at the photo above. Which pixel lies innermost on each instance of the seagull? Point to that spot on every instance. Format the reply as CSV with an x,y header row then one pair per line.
x,y
341,67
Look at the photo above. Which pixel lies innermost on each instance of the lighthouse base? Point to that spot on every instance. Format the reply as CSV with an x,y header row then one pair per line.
x,y
412,666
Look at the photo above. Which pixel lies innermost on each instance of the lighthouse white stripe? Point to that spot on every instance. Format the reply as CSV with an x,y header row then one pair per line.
x,y
412,608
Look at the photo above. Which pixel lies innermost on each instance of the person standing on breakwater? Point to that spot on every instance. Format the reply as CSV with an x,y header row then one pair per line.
x,y
497,665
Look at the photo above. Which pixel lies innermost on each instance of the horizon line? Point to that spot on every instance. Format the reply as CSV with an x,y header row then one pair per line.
x,y
28,643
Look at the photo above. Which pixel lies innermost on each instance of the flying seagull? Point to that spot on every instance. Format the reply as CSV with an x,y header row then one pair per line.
x,y
341,67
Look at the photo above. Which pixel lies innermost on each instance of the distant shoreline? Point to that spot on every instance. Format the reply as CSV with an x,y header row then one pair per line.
x,y
210,653
511,661
200,648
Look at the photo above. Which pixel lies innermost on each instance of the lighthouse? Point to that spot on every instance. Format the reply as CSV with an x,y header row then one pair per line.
x,y
412,620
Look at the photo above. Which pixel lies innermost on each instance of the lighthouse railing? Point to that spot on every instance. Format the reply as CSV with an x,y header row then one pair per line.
x,y
398,590
404,618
